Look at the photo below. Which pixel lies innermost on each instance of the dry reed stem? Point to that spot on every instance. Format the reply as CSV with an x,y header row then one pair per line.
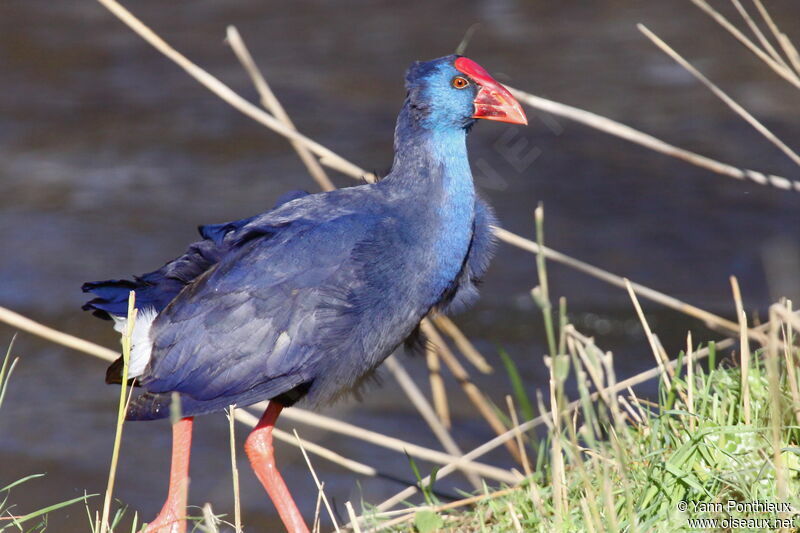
x,y
351,514
245,417
690,379
628,133
788,353
730,102
209,520
472,392
788,48
744,349
23,323
765,44
271,103
711,320
463,344
317,522
393,443
316,480
632,413
791,51
438,391
558,477
512,411
226,93
237,503
426,411
785,73
514,518
775,415
127,336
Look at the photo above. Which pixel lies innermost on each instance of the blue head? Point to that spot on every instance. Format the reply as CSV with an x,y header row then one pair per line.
x,y
452,91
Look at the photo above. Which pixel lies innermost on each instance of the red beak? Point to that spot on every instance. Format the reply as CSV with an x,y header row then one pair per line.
x,y
493,101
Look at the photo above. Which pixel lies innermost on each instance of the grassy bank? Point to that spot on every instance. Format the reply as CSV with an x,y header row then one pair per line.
x,y
722,434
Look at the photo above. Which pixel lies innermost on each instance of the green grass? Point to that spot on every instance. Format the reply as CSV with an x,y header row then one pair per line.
x,y
627,466
10,518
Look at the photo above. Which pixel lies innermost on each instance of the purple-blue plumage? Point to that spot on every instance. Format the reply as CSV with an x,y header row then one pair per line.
x,y
306,300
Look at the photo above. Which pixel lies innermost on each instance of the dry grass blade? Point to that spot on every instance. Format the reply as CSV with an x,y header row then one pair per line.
x,y
785,73
514,518
393,443
127,337
226,93
351,514
23,323
738,109
512,411
788,354
788,48
438,391
316,480
426,411
710,319
210,521
271,102
237,504
472,392
690,379
354,466
623,131
744,349
317,522
766,45
464,345
776,414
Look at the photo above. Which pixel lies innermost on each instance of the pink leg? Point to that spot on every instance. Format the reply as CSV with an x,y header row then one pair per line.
x,y
262,458
172,518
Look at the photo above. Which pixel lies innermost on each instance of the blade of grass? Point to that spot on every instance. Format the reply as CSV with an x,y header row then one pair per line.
x,y
785,73
438,391
744,349
316,481
470,390
271,102
123,402
623,131
517,385
462,343
7,369
237,508
788,47
730,102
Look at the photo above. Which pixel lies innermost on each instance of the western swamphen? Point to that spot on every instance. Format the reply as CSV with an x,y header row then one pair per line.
x,y
303,302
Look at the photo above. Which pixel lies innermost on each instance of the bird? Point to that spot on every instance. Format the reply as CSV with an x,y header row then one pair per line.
x,y
302,303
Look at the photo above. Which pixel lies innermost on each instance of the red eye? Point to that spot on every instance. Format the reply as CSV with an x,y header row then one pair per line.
x,y
460,83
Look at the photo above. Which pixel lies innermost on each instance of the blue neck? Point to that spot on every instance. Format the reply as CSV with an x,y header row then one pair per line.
x,y
431,163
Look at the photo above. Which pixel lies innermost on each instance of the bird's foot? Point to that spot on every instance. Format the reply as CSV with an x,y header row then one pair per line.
x,y
168,521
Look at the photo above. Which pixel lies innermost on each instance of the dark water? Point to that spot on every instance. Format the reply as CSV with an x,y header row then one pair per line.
x,y
110,156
